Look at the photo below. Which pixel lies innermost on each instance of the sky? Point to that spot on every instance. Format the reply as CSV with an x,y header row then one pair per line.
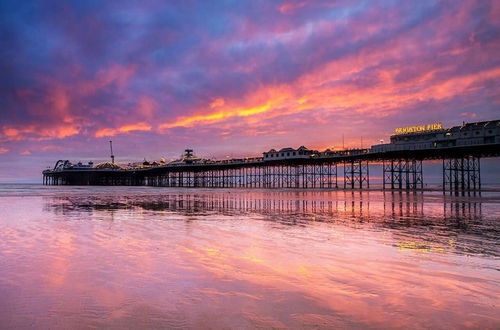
x,y
235,78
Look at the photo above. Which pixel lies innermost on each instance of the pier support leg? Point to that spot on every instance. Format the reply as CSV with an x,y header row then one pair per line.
x,y
403,174
356,174
462,174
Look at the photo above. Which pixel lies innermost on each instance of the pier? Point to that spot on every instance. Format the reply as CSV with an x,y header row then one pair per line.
x,y
401,171
401,164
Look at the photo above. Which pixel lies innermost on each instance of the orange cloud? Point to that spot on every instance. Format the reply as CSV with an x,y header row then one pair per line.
x,y
335,88
215,117
260,102
35,132
142,126
3,150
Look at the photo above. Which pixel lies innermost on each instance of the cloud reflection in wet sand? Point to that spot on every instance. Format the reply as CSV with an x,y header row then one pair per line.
x,y
239,259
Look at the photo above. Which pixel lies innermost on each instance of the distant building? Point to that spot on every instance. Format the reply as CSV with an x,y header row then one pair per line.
x,y
468,134
289,153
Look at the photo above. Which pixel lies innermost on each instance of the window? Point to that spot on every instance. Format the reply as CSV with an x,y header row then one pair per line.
x,y
490,131
282,154
465,134
294,153
477,132
288,154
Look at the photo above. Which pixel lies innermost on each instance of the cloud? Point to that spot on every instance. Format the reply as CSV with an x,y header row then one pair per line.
x,y
468,114
123,129
218,102
257,71
36,132
289,7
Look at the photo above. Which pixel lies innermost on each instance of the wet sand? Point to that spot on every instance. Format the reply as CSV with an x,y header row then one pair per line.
x,y
142,257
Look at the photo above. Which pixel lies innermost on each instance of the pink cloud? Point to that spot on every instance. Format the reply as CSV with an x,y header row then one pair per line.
x,y
289,7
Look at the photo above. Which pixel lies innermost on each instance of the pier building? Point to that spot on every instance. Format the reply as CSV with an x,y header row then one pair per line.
x,y
289,153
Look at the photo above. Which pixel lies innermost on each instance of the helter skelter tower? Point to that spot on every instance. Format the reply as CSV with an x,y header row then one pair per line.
x,y
112,156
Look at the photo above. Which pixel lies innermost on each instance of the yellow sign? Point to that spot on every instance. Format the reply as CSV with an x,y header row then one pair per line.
x,y
419,128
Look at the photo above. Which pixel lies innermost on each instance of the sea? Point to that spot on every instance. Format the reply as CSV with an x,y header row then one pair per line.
x,y
190,258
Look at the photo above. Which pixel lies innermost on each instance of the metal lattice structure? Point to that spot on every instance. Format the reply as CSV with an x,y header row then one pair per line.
x,y
403,174
356,174
322,175
462,174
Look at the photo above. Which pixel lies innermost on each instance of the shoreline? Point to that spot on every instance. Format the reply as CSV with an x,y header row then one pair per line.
x,y
491,187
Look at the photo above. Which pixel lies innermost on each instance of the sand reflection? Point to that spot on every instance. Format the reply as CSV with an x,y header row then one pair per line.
x,y
246,259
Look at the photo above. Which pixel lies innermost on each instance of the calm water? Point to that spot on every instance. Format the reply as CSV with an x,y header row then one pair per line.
x,y
141,258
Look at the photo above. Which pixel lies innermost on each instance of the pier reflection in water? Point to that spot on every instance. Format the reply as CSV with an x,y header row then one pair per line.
x,y
146,257
432,218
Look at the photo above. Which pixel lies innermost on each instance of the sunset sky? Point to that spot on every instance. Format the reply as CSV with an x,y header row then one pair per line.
x,y
235,78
